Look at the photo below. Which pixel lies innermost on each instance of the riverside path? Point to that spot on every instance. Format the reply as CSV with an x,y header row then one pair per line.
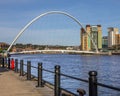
x,y
11,84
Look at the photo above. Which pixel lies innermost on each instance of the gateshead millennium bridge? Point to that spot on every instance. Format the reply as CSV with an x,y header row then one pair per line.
x,y
47,13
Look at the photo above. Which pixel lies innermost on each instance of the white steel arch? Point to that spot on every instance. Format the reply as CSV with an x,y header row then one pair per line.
x,y
50,12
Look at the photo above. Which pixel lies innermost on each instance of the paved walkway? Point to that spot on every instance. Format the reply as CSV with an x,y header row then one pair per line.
x,y
11,84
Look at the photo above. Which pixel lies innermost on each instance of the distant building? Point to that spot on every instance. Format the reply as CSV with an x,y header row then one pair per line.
x,y
104,41
85,40
112,35
95,32
117,39
14,49
3,45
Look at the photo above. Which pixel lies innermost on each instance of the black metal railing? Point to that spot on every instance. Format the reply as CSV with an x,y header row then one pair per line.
x,y
41,81
58,91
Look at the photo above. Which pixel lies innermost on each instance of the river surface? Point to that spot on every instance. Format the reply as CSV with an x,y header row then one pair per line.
x,y
108,68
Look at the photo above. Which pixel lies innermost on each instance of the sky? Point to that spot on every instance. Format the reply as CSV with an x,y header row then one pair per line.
x,y
55,29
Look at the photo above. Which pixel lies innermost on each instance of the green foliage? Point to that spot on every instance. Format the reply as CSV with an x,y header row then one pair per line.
x,y
1,50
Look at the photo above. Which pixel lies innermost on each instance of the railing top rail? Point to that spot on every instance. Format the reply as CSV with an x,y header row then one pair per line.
x,y
47,70
34,67
74,78
108,86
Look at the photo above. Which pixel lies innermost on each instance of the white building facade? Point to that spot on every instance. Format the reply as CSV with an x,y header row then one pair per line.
x,y
111,36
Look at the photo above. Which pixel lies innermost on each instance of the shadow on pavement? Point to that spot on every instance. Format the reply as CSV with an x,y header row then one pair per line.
x,y
3,70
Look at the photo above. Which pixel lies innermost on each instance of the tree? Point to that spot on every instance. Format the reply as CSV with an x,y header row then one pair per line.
x,y
1,50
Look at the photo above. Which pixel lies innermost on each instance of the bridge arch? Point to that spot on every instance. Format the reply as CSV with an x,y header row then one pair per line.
x,y
47,13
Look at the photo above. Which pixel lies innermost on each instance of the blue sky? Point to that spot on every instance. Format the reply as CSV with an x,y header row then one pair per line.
x,y
55,29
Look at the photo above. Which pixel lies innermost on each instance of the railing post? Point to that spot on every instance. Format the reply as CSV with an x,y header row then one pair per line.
x,y
3,63
57,90
40,84
16,65
92,85
28,70
21,68
8,63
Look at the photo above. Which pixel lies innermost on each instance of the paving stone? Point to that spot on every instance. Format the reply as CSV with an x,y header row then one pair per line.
x,y
11,84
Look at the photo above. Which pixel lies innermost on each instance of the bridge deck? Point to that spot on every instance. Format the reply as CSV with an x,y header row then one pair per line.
x,y
11,84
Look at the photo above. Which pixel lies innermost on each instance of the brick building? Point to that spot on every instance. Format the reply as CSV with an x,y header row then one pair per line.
x,y
3,45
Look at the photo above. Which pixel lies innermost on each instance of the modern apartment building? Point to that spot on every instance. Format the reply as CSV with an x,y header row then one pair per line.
x,y
85,42
95,32
112,35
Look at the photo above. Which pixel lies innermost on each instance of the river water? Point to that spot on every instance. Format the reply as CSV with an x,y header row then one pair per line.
x,y
108,68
